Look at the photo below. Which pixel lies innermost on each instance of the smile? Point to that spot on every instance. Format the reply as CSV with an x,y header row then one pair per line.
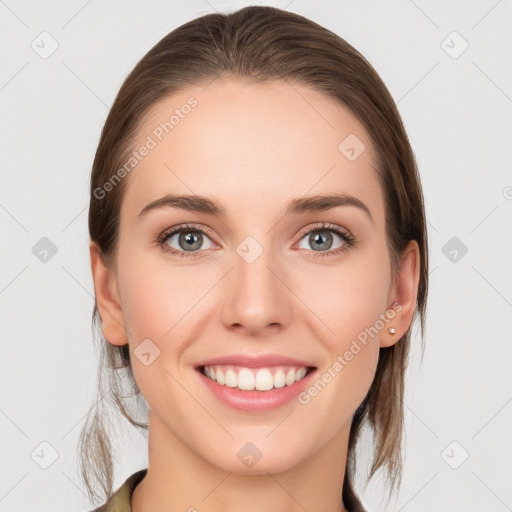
x,y
255,389
259,379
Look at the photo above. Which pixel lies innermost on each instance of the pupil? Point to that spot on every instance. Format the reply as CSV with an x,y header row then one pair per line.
x,y
322,239
192,241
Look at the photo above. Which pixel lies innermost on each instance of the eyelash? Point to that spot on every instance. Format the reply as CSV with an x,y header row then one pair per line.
x,y
348,239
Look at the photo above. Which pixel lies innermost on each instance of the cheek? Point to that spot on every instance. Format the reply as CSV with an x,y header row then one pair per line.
x,y
155,302
155,296
349,300
361,308
166,305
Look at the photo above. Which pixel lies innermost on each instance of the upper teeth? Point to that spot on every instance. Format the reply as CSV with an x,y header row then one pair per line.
x,y
261,379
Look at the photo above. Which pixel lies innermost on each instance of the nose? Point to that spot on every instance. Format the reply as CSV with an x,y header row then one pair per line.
x,y
255,296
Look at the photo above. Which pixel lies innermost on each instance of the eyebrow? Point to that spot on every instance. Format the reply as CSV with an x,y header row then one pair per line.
x,y
202,204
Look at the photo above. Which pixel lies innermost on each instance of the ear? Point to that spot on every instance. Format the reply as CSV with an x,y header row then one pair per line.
x,y
403,295
107,298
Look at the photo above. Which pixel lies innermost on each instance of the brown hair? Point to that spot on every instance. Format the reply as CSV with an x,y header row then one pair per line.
x,y
260,44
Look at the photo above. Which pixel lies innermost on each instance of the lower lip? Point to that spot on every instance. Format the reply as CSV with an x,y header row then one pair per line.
x,y
256,400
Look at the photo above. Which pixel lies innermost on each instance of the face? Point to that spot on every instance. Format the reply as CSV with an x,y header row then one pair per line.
x,y
306,287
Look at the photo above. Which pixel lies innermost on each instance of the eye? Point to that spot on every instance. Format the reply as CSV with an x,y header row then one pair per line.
x,y
185,239
322,237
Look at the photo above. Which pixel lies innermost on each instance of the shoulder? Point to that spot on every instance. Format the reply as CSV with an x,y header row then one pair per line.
x,y
120,501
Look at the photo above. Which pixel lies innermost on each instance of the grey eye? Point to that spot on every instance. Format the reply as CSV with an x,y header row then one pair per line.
x,y
189,240
321,240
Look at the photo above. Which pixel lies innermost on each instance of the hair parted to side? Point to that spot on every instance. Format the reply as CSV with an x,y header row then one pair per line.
x,y
260,44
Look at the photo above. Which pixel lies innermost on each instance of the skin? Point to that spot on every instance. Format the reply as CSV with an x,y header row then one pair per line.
x,y
252,148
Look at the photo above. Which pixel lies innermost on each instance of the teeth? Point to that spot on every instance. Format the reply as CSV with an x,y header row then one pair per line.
x,y
231,379
245,379
220,377
262,379
279,379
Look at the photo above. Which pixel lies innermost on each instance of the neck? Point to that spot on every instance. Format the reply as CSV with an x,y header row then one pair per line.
x,y
178,479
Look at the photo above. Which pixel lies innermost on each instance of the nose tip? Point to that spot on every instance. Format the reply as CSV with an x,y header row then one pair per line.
x,y
254,298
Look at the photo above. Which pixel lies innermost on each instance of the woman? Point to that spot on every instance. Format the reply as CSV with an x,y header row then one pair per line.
x,y
259,253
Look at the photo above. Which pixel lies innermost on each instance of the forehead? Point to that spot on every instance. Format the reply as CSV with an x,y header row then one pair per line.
x,y
251,145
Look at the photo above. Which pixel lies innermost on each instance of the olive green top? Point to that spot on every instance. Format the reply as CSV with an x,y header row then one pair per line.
x,y
121,500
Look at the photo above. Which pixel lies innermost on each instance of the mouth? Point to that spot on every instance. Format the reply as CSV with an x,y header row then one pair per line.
x,y
255,383
255,379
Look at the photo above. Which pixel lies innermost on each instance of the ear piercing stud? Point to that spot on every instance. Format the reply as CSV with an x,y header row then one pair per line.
x,y
391,330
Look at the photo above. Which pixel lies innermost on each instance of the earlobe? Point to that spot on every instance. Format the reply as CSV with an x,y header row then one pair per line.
x,y
107,298
405,294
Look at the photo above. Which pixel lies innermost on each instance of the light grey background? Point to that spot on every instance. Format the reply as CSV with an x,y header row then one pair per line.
x,y
457,112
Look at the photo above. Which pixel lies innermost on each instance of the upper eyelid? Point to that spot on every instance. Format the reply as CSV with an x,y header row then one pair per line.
x,y
190,227
326,226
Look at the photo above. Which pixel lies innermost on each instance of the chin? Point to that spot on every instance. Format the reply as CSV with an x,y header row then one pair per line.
x,y
257,455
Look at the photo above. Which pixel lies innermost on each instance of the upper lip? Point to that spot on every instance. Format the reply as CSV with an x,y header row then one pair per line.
x,y
249,361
